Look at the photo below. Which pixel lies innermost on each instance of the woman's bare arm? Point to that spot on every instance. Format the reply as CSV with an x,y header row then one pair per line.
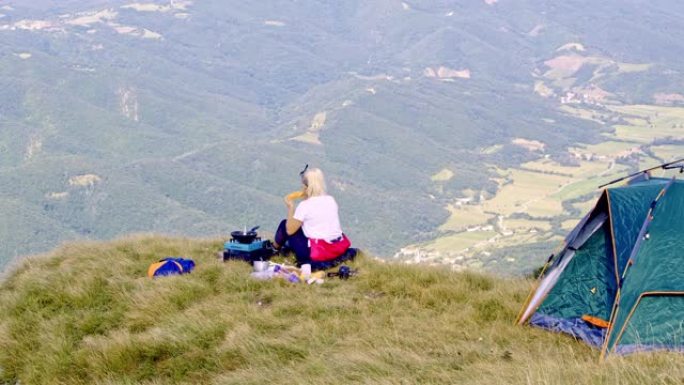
x,y
292,224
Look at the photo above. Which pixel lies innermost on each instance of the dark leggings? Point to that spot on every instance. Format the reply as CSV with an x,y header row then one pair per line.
x,y
297,242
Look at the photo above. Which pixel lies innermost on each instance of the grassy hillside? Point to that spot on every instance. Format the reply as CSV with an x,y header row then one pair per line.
x,y
87,314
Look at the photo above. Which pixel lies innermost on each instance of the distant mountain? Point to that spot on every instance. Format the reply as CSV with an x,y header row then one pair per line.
x,y
194,117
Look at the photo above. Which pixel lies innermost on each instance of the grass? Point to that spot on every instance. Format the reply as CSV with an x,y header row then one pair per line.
x,y
669,153
585,206
86,314
443,175
491,149
569,224
628,67
525,225
542,89
464,216
584,187
644,134
518,239
545,208
581,113
653,122
538,189
461,241
552,185
519,196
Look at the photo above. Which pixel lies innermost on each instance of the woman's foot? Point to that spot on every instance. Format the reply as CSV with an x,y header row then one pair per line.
x,y
272,249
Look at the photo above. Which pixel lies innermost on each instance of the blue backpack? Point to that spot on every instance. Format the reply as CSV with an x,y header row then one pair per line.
x,y
170,266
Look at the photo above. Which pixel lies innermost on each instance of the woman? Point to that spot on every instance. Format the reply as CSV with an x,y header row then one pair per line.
x,y
313,230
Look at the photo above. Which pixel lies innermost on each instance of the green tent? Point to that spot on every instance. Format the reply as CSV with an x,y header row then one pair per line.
x,y
618,281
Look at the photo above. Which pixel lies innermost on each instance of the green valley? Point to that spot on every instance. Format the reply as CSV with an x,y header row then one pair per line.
x,y
476,131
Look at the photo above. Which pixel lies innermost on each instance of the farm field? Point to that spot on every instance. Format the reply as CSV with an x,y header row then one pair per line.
x,y
540,201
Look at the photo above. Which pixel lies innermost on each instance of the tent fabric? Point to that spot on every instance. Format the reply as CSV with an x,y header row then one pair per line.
x,y
587,226
627,269
628,207
656,324
653,290
575,327
587,285
170,266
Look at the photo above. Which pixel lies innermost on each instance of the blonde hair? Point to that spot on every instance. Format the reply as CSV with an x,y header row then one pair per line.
x,y
314,180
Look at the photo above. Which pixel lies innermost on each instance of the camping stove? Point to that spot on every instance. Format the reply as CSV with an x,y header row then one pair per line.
x,y
256,250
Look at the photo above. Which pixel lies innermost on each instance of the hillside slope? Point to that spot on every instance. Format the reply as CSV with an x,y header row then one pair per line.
x,y
179,112
87,314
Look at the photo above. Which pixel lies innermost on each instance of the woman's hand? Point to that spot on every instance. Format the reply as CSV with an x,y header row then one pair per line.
x,y
292,224
288,203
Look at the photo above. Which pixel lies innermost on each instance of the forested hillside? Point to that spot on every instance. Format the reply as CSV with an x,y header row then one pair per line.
x,y
194,117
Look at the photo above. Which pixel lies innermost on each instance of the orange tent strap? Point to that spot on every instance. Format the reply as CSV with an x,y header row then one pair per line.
x,y
596,321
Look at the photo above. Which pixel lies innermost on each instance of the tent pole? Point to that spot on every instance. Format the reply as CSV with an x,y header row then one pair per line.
x,y
664,166
617,282
613,316
535,286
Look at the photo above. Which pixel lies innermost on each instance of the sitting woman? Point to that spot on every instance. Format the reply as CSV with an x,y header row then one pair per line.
x,y
313,230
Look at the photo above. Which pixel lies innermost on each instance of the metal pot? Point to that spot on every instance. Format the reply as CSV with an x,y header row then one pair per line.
x,y
245,236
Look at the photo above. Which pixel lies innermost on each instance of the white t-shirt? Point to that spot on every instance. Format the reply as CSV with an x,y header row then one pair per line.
x,y
319,217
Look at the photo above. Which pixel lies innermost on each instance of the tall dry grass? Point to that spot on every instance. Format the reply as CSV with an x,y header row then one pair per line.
x,y
87,314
